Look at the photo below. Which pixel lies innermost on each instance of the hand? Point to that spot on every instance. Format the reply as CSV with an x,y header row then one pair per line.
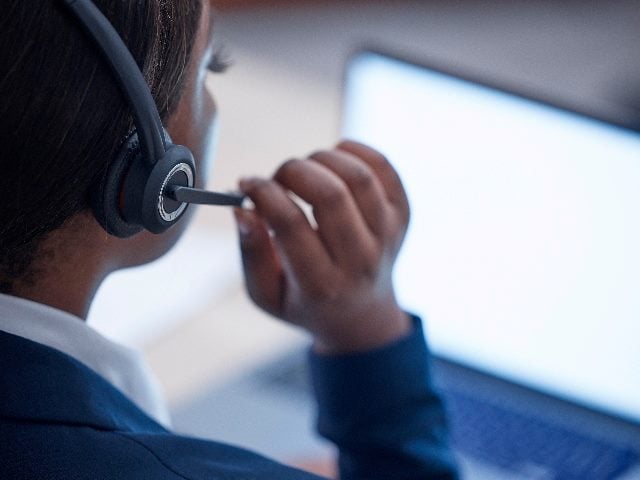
x,y
335,279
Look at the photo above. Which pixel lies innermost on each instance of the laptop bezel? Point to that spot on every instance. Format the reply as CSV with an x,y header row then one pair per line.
x,y
619,422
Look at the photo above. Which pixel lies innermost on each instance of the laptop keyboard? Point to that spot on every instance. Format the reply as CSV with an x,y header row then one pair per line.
x,y
494,434
547,451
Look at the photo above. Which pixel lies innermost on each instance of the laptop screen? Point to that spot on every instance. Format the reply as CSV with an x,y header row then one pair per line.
x,y
523,254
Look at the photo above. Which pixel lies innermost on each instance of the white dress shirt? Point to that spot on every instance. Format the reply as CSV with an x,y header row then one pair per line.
x,y
123,367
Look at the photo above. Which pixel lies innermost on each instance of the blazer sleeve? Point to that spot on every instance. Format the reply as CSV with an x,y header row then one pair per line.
x,y
381,411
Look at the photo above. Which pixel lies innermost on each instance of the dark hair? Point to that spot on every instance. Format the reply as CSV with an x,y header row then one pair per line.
x,y
62,116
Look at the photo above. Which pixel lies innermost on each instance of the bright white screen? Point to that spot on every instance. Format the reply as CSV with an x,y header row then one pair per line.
x,y
523,255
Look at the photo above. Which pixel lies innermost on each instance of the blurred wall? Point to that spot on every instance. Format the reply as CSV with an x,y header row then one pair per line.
x,y
282,98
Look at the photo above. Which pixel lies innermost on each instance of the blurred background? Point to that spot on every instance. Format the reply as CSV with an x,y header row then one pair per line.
x,y
282,98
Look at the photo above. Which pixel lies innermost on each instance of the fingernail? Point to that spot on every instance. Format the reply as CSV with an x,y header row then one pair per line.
x,y
244,224
246,183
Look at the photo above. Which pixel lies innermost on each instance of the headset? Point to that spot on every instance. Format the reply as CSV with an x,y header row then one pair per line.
x,y
151,181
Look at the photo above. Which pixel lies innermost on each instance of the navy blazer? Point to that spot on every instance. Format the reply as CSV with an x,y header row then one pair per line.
x,y
61,420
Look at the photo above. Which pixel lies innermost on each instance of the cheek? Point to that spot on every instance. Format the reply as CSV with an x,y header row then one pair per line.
x,y
194,125
207,127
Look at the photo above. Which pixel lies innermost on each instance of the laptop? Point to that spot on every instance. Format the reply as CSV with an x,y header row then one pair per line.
x,y
523,259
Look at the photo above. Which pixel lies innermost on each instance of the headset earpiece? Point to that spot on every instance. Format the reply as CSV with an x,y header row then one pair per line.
x,y
143,200
106,196
131,196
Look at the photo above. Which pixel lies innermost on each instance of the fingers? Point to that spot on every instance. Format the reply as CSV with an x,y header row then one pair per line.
x,y
299,247
358,203
384,171
365,187
262,269
336,279
341,225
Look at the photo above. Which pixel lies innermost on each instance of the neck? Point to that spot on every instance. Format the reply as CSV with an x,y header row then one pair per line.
x,y
70,265
73,260
73,294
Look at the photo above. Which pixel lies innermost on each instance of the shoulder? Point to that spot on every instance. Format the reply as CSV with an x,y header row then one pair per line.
x,y
80,452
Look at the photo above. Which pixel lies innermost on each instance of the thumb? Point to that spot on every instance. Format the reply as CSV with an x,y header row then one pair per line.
x,y
262,268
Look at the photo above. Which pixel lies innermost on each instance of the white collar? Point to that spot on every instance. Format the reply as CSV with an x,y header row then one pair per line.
x,y
123,367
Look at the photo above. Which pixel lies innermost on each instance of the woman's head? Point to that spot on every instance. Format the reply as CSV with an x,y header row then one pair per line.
x,y
62,117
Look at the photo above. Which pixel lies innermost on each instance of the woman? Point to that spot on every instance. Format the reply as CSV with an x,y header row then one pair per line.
x,y
76,406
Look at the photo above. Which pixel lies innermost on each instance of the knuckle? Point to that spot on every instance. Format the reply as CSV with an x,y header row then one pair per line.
x,y
362,178
398,213
336,196
287,169
380,159
363,150
347,144
320,155
397,228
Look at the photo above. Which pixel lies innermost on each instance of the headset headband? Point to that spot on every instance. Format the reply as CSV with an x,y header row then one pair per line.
x,y
150,190
124,68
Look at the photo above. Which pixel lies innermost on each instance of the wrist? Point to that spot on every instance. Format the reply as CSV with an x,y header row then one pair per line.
x,y
366,333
